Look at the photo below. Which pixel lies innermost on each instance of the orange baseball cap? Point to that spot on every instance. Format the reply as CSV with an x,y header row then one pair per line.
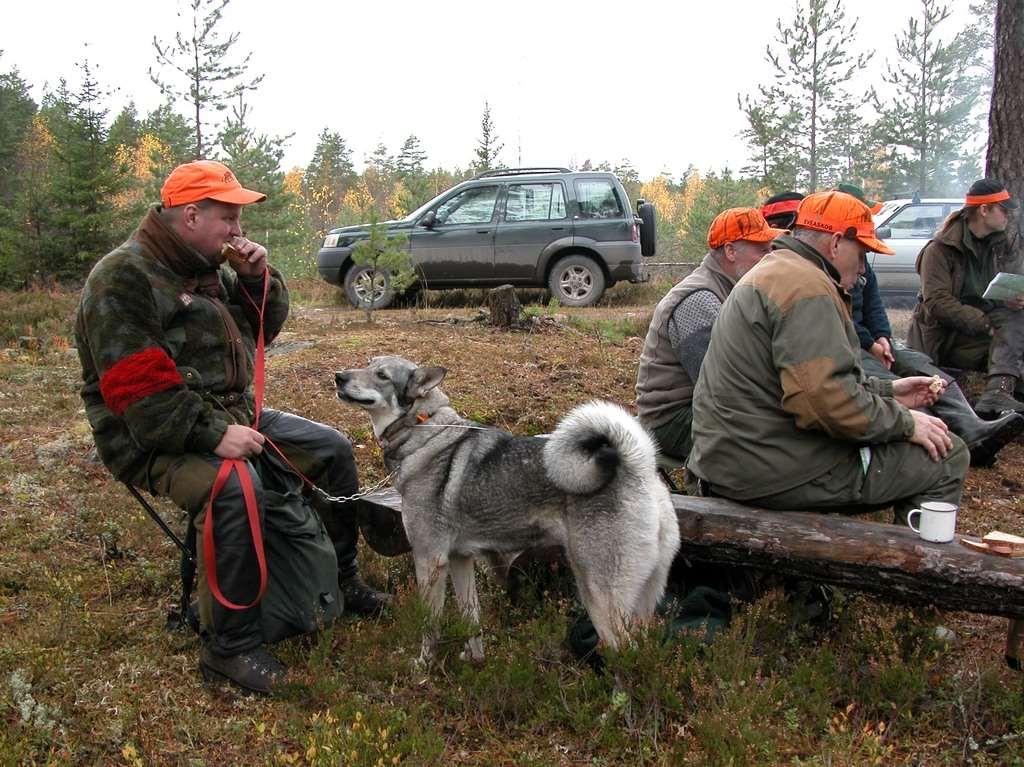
x,y
740,224
840,213
205,180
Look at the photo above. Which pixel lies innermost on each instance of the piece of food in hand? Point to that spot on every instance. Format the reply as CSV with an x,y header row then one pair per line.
x,y
936,385
232,255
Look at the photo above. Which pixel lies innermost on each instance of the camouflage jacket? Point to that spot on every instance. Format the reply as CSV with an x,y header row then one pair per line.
x,y
781,397
167,345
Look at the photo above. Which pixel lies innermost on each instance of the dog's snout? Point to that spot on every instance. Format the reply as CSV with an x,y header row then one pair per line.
x,y
341,378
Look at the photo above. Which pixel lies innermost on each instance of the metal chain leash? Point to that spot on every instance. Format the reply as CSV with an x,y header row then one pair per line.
x,y
323,496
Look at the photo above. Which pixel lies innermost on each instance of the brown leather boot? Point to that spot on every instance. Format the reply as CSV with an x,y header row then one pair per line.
x,y
998,397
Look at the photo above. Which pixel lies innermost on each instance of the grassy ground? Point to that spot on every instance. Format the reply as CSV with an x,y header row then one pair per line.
x,y
88,675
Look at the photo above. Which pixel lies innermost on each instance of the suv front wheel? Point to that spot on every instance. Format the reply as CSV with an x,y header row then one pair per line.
x,y
576,281
365,285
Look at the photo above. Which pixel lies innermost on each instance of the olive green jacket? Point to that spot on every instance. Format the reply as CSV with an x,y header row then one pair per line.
x,y
781,397
941,312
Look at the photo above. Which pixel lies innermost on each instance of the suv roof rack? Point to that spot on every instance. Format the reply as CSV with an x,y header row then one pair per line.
x,y
521,171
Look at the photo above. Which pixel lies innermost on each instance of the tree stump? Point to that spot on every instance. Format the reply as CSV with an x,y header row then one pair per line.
x,y
504,306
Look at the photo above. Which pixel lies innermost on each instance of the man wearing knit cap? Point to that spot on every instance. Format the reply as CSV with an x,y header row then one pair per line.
x,y
167,337
783,416
953,323
681,326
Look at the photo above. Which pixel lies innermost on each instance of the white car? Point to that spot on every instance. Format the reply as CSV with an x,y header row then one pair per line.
x,y
906,226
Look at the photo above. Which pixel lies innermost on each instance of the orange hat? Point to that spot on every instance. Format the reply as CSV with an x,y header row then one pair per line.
x,y
202,180
840,213
740,224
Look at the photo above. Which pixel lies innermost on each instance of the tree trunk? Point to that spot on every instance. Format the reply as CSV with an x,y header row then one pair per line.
x,y
1005,158
889,560
504,306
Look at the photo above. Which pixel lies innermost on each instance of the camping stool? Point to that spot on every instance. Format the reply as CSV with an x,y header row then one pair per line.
x,y
187,567
666,465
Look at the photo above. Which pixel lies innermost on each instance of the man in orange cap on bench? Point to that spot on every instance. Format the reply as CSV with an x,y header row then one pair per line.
x,y
783,416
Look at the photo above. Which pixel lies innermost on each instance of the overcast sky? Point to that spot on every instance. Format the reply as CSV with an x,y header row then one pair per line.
x,y
652,82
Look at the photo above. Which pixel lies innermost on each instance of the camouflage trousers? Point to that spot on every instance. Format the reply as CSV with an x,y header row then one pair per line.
x,y
319,452
898,474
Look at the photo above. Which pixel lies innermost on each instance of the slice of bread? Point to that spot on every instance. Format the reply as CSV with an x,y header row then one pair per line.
x,y
1004,541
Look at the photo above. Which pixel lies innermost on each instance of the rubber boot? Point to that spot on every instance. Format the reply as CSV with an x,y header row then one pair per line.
x,y
998,397
984,438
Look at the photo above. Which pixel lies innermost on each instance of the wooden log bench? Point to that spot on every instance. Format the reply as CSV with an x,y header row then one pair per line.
x,y
890,561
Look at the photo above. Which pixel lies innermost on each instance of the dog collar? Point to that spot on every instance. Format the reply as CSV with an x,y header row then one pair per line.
x,y
399,430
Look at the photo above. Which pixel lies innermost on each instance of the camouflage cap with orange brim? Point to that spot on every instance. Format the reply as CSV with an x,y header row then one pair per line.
x,y
840,213
205,180
740,224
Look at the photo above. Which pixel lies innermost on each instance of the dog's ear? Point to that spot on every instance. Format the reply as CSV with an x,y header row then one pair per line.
x,y
423,380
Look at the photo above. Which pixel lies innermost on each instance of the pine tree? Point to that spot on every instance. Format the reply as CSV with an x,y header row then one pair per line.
x,y
411,158
327,177
205,78
927,123
255,160
31,211
811,60
772,151
86,224
1004,160
488,148
126,130
379,181
16,112
409,167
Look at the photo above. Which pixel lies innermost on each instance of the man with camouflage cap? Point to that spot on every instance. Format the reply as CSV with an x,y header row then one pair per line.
x,y
953,323
783,416
167,340
681,326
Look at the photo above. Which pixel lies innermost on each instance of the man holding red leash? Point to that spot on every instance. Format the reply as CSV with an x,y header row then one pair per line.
x,y
171,351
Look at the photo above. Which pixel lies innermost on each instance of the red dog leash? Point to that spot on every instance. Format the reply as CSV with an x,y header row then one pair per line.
x,y
240,467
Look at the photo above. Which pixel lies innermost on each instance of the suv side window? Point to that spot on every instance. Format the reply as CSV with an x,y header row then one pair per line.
x,y
917,221
597,199
534,202
470,206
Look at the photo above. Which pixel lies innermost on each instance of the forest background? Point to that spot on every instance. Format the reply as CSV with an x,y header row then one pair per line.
x,y
75,178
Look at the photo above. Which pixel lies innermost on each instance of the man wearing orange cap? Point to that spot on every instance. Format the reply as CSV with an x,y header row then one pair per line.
x,y
167,340
783,416
953,323
681,326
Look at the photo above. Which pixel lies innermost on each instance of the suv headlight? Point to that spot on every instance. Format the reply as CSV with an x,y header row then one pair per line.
x,y
331,240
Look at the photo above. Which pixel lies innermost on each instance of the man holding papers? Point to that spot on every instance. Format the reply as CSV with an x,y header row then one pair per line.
x,y
955,321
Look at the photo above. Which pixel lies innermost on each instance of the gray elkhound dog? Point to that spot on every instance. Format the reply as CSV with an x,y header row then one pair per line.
x,y
469,490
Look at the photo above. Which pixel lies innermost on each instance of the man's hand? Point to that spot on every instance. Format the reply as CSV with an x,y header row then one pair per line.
x,y
256,258
918,391
1015,303
931,434
882,350
240,441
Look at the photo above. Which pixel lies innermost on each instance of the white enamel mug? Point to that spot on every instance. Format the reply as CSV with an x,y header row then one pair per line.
x,y
938,521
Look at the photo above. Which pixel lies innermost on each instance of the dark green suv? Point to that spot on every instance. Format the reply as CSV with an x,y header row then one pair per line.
x,y
573,233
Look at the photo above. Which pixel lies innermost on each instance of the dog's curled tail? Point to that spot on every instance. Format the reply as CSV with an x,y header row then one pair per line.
x,y
593,443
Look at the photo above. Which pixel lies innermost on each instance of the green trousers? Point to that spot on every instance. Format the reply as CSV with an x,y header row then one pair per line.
x,y
674,437
899,474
